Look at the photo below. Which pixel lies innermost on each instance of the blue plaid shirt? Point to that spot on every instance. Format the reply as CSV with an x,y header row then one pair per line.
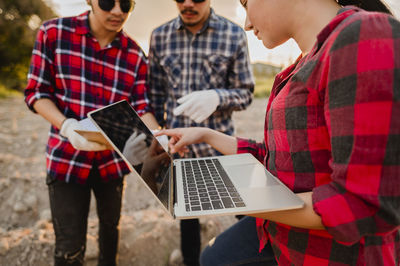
x,y
216,58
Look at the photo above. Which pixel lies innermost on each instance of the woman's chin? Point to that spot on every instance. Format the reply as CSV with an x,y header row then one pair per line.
x,y
268,44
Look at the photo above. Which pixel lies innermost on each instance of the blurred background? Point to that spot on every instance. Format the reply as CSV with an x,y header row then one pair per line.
x,y
20,19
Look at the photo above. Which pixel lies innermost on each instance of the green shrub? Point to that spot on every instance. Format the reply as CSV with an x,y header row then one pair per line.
x,y
263,87
5,92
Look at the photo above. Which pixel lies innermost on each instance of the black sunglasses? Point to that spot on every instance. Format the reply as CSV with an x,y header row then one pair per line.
x,y
125,5
194,1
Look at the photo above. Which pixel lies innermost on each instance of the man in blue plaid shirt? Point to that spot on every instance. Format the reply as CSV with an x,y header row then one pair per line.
x,y
199,73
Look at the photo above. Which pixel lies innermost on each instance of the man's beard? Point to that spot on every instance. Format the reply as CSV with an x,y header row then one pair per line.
x,y
191,24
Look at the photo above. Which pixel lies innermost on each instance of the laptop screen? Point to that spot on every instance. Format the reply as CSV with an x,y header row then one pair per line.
x,y
133,139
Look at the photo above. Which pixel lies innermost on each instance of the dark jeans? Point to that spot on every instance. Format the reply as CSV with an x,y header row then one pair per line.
x,y
238,245
190,241
70,204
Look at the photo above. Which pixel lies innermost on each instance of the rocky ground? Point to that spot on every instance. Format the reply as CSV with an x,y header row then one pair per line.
x,y
26,235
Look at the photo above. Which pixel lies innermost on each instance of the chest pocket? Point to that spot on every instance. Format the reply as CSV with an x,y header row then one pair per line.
x,y
172,65
215,71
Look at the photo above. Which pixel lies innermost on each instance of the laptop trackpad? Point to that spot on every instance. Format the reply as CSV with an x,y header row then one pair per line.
x,y
250,175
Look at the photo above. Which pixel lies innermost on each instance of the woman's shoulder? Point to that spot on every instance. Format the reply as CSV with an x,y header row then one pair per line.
x,y
363,27
367,24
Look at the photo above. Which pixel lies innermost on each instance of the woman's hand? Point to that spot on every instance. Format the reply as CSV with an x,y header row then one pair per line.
x,y
180,138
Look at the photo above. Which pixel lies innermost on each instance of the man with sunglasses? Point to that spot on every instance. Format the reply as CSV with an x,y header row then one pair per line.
x,y
199,73
80,64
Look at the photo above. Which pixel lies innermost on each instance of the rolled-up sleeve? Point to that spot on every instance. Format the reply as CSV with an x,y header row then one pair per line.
x,y
40,76
257,149
362,110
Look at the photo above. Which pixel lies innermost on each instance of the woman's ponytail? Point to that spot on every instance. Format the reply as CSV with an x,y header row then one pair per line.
x,y
369,5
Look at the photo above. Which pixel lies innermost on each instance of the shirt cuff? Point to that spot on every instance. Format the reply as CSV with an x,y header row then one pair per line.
x,y
336,214
31,99
223,97
242,145
142,107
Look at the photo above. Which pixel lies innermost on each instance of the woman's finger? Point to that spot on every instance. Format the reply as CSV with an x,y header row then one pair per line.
x,y
168,132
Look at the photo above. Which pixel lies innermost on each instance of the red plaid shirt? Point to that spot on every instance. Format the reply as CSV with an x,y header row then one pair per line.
x,y
69,67
333,127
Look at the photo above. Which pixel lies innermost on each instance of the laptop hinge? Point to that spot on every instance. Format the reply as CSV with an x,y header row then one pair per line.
x,y
172,193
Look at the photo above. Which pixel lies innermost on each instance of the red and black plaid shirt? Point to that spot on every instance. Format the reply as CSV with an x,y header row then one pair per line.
x,y
69,67
333,127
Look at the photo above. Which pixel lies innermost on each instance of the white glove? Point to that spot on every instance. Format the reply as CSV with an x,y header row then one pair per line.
x,y
135,149
67,130
198,105
163,139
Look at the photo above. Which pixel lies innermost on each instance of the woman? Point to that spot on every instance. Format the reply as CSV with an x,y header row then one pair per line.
x,y
332,134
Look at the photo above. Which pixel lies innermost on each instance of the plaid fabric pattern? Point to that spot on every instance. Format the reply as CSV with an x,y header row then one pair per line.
x,y
216,58
332,127
69,67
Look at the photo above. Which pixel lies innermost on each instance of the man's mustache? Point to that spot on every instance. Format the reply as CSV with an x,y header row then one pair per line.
x,y
189,11
115,18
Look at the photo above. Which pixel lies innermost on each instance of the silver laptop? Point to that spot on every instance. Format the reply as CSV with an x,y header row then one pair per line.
x,y
192,188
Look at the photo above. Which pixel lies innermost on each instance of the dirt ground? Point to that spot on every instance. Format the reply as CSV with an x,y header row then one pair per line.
x,y
26,236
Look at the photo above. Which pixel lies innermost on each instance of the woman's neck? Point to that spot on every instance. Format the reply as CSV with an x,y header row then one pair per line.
x,y
315,15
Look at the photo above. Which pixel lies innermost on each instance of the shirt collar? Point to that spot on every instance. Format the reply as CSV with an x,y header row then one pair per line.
x,y
82,28
342,14
82,24
211,22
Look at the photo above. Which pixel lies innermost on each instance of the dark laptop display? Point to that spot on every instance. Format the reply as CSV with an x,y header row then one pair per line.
x,y
119,124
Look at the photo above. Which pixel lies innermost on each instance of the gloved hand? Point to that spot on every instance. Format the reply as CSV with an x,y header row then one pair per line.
x,y
135,149
198,105
163,139
155,160
77,141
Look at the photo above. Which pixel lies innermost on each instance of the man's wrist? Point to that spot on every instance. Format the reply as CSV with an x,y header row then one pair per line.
x,y
62,123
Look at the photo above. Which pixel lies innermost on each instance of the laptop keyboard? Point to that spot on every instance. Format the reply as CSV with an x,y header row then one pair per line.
x,y
206,186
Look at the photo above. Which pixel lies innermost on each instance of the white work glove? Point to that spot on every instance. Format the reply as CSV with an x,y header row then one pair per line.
x,y
135,149
198,105
67,130
163,139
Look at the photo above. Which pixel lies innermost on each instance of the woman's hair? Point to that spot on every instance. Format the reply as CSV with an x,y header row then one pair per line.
x,y
369,5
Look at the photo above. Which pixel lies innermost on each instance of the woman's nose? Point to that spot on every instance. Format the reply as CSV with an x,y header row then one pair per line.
x,y
247,24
